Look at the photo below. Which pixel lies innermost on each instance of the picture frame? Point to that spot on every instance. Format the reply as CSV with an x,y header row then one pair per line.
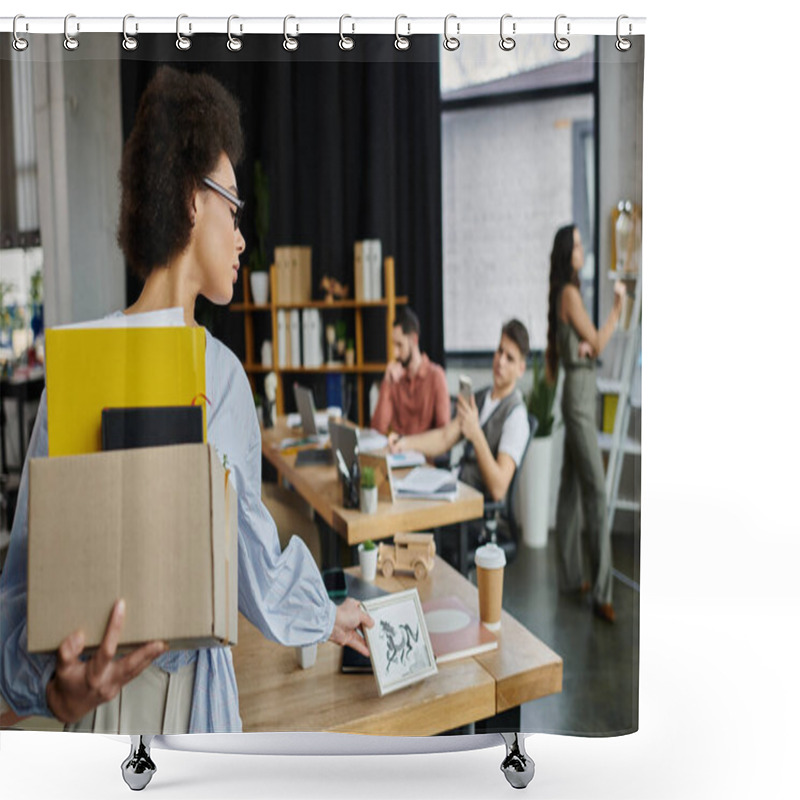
x,y
399,645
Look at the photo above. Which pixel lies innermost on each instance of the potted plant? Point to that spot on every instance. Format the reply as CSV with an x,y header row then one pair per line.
x,y
533,490
368,560
259,276
369,491
259,401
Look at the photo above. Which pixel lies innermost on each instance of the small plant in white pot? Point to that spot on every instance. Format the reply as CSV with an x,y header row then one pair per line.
x,y
368,560
369,491
533,487
259,276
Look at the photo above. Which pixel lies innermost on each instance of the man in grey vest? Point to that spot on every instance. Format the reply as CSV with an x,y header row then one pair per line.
x,y
493,421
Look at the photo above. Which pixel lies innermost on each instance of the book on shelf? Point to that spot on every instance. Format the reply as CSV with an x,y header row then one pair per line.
x,y
367,275
455,630
293,270
281,325
426,483
294,336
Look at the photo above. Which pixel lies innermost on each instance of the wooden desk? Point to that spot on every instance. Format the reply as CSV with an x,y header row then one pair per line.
x,y
319,486
275,694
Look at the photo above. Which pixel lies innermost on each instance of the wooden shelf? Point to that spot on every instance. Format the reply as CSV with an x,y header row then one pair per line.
x,y
359,369
325,369
323,304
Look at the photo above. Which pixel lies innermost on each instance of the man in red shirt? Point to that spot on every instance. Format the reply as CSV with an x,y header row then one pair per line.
x,y
413,396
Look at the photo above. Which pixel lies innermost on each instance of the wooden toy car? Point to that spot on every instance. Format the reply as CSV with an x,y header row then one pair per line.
x,y
411,552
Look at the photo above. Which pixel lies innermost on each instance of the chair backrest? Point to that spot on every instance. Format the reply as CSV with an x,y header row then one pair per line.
x,y
509,500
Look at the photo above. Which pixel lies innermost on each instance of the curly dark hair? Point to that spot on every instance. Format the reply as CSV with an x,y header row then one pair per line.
x,y
183,124
561,273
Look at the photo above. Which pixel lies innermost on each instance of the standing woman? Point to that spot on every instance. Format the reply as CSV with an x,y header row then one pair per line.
x,y
179,230
573,339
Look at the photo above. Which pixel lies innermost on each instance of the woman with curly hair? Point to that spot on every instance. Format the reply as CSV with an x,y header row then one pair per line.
x,y
573,339
179,231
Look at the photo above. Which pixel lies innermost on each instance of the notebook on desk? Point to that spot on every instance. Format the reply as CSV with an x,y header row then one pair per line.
x,y
314,457
312,424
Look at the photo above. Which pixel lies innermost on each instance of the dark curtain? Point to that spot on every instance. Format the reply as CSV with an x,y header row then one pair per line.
x,y
351,144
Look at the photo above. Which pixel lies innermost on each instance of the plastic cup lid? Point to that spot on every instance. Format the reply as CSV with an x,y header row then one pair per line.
x,y
490,556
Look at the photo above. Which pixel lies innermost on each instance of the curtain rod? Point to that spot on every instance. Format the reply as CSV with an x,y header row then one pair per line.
x,y
452,26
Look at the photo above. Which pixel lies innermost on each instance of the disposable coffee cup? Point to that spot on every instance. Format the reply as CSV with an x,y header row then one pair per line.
x,y
490,561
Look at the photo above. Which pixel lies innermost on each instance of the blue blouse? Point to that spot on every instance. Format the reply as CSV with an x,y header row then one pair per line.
x,y
281,593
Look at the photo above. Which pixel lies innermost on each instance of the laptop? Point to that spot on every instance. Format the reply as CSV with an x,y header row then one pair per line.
x,y
344,438
304,398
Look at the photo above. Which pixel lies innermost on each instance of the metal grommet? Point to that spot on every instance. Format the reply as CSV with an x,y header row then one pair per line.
x,y
18,43
289,42
507,42
401,42
129,42
561,43
622,44
451,43
70,42
182,42
346,42
234,44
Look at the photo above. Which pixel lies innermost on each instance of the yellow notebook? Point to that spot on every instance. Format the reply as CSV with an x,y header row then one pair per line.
x,y
89,369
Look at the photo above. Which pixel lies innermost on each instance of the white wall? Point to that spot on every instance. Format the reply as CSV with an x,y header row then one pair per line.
x,y
79,144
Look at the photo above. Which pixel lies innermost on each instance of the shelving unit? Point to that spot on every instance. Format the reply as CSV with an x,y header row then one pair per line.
x,y
620,443
360,368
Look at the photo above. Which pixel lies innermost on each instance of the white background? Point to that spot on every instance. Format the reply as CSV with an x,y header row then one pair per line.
x,y
719,604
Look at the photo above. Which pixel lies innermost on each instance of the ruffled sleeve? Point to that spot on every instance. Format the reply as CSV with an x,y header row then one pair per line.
x,y
281,593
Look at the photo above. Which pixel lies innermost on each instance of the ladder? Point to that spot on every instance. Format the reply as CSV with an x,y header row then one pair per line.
x,y
623,383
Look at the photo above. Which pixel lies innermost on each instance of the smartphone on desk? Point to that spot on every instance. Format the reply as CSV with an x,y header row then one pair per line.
x,y
465,387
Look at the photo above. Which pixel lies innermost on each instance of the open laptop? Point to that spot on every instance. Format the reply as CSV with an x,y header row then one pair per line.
x,y
304,398
345,438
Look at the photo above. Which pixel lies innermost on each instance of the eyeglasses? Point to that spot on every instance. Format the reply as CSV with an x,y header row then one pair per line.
x,y
222,191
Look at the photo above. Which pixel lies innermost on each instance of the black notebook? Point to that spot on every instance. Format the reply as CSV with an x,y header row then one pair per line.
x,y
153,426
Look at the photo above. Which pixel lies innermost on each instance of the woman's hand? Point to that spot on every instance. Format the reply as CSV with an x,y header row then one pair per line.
x,y
350,616
619,293
585,350
78,686
467,415
396,444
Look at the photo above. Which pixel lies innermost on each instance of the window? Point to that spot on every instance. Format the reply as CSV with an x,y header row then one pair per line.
x,y
518,162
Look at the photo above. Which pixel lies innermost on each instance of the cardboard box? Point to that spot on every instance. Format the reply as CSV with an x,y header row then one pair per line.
x,y
156,526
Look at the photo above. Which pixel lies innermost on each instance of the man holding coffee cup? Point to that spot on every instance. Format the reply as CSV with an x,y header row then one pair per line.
x,y
493,420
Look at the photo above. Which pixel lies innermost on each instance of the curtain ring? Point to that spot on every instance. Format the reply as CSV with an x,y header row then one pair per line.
x,y
346,42
561,43
289,42
234,44
401,42
70,42
507,42
622,44
182,42
129,42
451,43
18,43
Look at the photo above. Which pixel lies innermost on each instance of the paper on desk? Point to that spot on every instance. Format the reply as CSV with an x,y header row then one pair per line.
x,y
370,440
293,420
411,458
427,481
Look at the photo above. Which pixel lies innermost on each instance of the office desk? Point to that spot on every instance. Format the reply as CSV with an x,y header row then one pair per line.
x,y
319,486
275,694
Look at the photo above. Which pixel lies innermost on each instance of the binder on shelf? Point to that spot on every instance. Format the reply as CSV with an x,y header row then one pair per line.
x,y
89,369
312,350
293,270
281,325
367,274
294,337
